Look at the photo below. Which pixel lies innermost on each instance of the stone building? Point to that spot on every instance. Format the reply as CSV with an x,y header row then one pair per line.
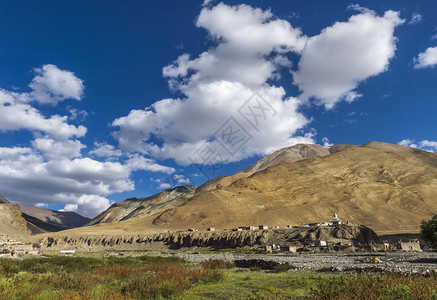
x,y
411,245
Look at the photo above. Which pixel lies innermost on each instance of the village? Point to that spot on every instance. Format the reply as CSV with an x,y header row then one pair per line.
x,y
17,249
14,249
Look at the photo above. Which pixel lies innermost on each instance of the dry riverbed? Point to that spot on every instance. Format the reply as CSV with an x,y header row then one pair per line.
x,y
408,262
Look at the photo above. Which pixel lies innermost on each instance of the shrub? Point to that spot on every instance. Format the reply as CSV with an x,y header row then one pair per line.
x,y
428,230
282,267
216,264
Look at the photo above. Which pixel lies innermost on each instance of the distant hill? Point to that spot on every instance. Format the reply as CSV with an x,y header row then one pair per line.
x,y
3,200
390,188
46,220
135,208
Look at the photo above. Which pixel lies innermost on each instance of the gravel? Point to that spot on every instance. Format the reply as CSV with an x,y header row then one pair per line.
x,y
406,262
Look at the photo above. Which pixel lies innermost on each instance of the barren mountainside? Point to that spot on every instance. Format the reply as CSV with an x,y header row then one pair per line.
x,y
389,188
3,200
286,155
135,208
12,224
46,220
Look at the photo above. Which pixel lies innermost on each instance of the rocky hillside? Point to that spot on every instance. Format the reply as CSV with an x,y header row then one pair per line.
x,y
12,224
215,239
46,220
142,207
389,188
3,200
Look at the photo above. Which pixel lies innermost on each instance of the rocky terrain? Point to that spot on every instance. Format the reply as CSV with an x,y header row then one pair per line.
x,y
404,262
210,239
12,224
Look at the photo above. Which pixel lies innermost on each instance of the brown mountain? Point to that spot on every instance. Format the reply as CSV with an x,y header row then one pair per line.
x,y
389,188
12,224
46,220
3,200
286,155
137,208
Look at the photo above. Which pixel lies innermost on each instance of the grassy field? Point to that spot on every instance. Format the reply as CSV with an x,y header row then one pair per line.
x,y
159,278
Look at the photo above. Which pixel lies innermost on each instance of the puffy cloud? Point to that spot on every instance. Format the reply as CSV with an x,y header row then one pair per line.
x,y
408,143
334,62
53,149
28,177
16,115
52,85
427,59
184,126
52,170
180,179
88,205
219,87
70,207
165,186
326,142
245,36
250,50
426,145
138,162
105,150
207,2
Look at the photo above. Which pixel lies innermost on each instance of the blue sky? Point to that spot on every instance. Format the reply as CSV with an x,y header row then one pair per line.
x,y
101,101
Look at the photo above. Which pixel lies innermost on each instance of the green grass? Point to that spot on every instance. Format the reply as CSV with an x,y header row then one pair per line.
x,y
100,278
256,285
315,285
145,277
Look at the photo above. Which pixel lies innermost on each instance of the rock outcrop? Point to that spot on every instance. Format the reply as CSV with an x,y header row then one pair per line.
x,y
212,239
12,224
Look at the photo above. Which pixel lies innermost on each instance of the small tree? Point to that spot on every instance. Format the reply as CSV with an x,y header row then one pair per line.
x,y
36,245
428,229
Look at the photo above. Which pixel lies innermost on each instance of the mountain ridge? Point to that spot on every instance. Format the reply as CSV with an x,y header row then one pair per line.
x,y
384,186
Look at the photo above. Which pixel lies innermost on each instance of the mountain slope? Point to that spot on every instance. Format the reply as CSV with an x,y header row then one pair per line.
x,y
47,220
135,208
389,188
285,155
3,200
12,224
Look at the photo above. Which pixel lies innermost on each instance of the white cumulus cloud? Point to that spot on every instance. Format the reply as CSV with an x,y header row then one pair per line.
x,y
427,59
53,149
52,85
52,169
426,145
218,85
334,62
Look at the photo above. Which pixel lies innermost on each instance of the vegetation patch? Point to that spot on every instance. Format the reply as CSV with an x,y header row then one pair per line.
x,y
147,277
100,278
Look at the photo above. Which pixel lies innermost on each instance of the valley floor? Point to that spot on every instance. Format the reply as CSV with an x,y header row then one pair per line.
x,y
130,275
